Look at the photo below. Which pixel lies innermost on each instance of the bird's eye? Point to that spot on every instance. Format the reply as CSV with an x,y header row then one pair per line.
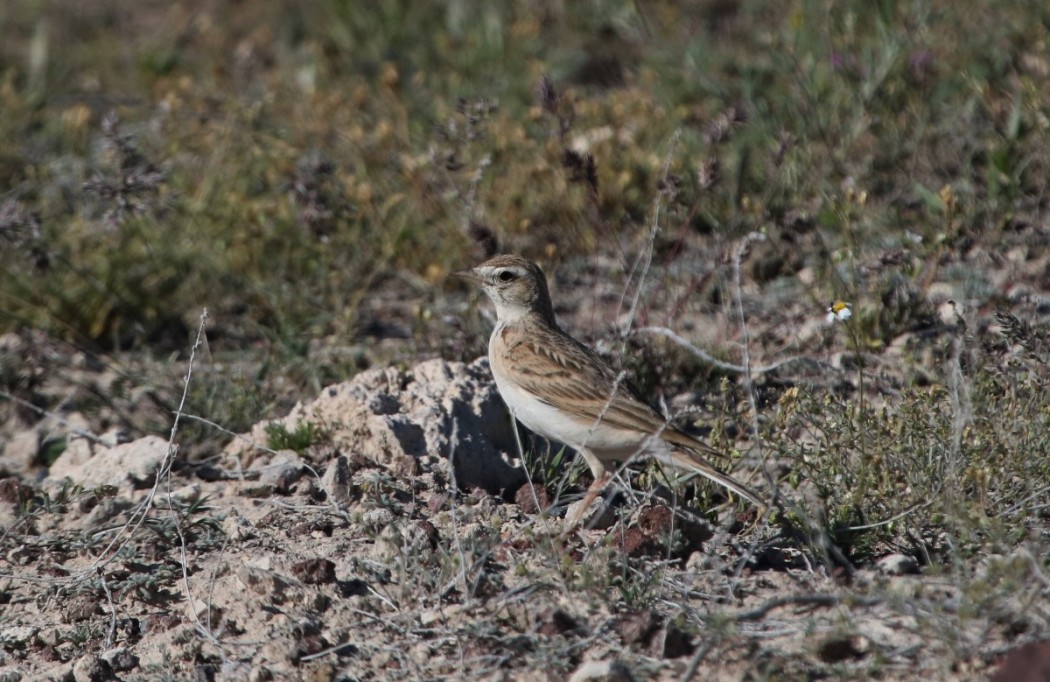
x,y
507,276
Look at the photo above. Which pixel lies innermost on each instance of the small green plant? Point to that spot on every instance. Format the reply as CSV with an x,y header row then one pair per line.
x,y
51,451
638,584
278,437
545,465
68,493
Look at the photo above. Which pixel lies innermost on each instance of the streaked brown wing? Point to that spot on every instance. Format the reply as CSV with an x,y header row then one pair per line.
x,y
575,379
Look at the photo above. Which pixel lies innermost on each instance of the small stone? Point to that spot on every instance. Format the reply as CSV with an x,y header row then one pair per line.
x,y
602,671
285,468
656,521
637,627
265,583
260,675
121,659
898,564
315,528
237,528
187,494
91,668
254,490
20,453
407,466
839,649
160,622
336,481
79,608
263,562
376,519
137,462
637,544
49,637
355,587
314,571
17,636
115,436
557,622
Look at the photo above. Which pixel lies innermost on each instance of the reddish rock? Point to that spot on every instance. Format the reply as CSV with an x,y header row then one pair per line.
x,y
315,571
430,532
637,543
656,521
532,499
1028,663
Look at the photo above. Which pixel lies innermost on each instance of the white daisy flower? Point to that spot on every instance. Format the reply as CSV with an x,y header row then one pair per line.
x,y
839,311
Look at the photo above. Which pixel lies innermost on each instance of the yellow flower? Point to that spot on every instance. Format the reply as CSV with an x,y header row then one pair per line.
x,y
840,311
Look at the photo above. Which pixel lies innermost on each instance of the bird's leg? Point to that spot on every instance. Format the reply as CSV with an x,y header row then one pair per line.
x,y
593,491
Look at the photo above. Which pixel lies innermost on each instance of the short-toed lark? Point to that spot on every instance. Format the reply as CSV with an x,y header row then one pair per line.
x,y
566,392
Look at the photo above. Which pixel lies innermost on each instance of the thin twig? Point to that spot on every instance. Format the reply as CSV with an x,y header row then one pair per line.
x,y
1041,493
112,630
738,300
461,575
238,436
895,517
203,628
542,512
654,229
326,652
58,418
711,360
698,657
804,600
138,516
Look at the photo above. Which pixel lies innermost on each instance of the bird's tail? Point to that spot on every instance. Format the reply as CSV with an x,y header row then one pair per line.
x,y
687,459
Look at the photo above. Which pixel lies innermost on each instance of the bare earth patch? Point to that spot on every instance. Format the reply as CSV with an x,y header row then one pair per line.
x,y
389,547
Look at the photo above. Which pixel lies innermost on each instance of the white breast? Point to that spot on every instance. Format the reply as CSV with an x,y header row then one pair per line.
x,y
605,441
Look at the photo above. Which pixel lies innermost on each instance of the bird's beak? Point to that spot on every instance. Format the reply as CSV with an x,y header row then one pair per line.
x,y
468,275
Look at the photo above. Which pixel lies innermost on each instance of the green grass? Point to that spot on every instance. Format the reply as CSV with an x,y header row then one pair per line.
x,y
305,434
334,146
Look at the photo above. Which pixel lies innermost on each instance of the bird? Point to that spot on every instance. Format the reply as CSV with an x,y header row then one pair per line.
x,y
564,391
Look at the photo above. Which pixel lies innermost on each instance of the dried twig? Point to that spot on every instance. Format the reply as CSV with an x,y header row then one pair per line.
x,y
804,600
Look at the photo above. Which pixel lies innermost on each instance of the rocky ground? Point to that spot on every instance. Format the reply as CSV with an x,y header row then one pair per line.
x,y
387,530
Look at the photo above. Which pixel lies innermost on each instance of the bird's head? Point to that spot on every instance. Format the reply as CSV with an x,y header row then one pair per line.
x,y
517,286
